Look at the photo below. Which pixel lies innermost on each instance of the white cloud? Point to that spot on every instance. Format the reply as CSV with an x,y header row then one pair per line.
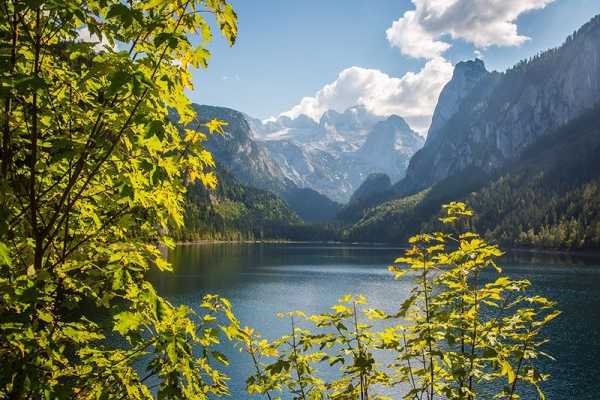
x,y
424,32
420,33
412,96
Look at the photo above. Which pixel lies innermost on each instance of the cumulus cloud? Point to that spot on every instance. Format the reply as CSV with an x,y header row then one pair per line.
x,y
425,32
413,96
420,33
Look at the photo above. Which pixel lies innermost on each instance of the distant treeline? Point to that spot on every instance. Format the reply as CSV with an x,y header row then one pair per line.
x,y
234,211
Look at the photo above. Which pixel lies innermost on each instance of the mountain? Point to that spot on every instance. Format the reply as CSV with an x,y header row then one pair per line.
x,y
335,155
374,184
239,154
250,162
373,191
548,198
234,211
486,120
312,206
521,147
389,146
466,76
551,197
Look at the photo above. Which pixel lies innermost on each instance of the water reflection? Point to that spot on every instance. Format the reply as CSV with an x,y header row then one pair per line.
x,y
264,279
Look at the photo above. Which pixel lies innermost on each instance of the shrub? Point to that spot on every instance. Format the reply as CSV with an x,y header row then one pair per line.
x,y
458,335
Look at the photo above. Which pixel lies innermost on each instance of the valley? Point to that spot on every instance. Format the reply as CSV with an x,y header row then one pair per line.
x,y
211,199
500,141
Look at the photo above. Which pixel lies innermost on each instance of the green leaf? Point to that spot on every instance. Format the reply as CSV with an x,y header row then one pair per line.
x,y
5,255
126,322
220,357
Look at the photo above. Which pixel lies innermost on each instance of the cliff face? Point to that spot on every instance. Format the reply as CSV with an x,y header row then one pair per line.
x,y
251,162
485,120
389,146
466,76
239,154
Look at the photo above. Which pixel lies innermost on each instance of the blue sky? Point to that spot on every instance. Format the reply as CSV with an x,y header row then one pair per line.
x,y
290,49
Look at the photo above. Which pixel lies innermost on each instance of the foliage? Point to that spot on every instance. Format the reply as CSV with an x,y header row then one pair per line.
x,y
555,219
92,177
461,333
375,223
234,211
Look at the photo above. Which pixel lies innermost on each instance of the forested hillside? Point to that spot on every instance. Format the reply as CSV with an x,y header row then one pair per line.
x,y
521,147
550,198
234,212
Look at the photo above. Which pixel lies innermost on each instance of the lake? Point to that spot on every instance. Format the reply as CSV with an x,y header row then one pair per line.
x,y
263,279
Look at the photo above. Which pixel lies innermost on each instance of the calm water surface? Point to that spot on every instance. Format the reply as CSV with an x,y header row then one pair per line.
x,y
263,279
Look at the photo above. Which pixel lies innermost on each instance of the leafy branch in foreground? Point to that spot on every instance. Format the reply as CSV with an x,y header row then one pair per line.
x,y
465,331
93,175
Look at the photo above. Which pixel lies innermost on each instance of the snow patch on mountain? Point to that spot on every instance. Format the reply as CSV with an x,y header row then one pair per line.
x,y
335,155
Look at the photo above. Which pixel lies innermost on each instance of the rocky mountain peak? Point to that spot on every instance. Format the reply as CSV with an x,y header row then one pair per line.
x,y
467,74
392,134
470,67
302,122
335,155
352,120
397,122
389,145
484,121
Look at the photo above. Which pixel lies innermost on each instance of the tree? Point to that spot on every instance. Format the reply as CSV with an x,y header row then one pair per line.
x,y
93,175
461,334
469,334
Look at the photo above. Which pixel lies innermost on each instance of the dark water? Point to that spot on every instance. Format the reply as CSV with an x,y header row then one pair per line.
x,y
262,280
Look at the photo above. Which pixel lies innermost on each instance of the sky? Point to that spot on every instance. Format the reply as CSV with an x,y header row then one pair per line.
x,y
391,56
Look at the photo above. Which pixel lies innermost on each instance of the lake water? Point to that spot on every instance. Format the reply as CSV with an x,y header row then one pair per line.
x,y
263,279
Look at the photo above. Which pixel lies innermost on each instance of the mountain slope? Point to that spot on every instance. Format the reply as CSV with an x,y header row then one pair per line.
x,y
335,156
466,76
521,147
239,154
389,146
250,162
234,212
502,114
312,206
549,197
374,184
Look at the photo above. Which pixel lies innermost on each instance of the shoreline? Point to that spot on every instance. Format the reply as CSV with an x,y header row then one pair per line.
x,y
281,241
576,252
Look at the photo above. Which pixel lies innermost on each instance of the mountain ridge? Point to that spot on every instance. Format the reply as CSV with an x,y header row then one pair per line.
x,y
249,161
503,113
522,134
335,155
